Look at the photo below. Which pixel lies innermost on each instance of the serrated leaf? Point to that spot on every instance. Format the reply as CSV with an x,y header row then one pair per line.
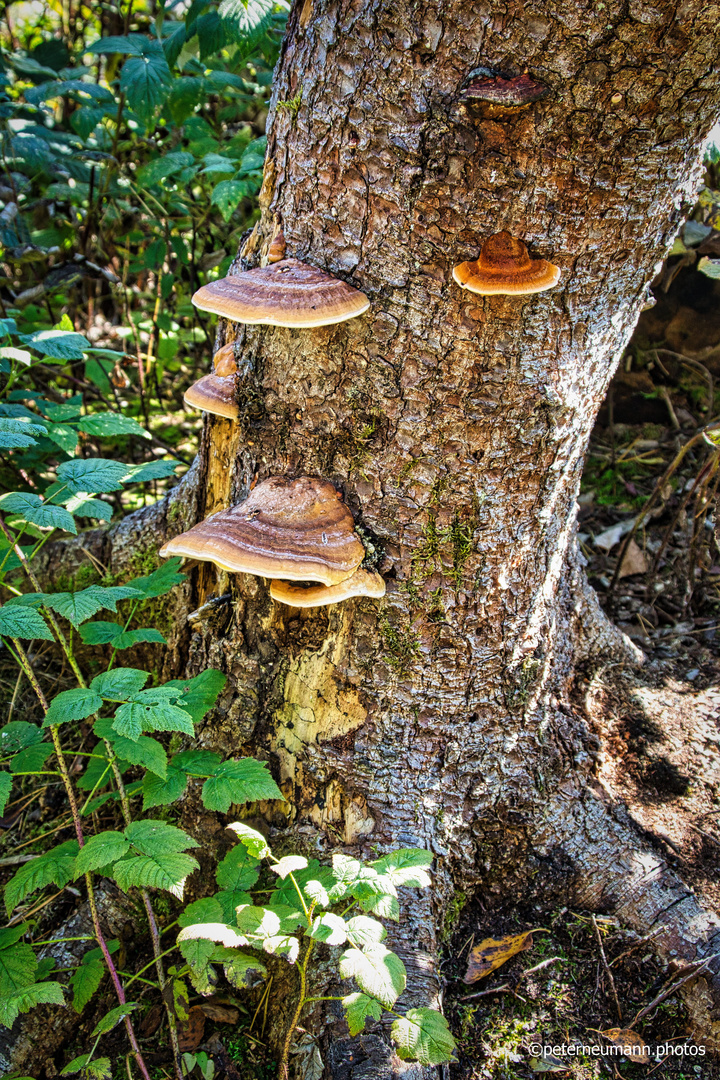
x,y
157,837
119,684
127,44
16,433
161,581
85,980
168,872
239,782
316,891
70,705
31,759
114,1017
149,470
31,508
23,623
128,638
241,969
100,633
146,80
227,196
248,20
363,931
100,850
5,790
95,1069
329,928
105,425
406,866
207,910
288,865
230,900
253,840
83,505
161,168
18,965
79,606
134,718
158,792
54,867
57,344
17,735
43,993
197,762
378,972
238,870
197,953
199,694
144,751
387,907
357,1009
423,1035
92,475
221,933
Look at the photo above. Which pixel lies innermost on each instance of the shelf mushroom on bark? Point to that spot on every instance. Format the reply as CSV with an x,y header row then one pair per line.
x,y
215,393
286,293
292,530
504,266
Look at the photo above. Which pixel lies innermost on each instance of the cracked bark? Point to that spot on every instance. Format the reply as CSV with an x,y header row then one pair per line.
x,y
456,427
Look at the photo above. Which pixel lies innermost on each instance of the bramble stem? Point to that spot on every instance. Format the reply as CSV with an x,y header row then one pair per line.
x,y
283,1073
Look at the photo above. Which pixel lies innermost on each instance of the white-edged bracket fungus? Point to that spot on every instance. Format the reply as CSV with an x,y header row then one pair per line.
x,y
215,393
361,583
285,293
296,530
504,266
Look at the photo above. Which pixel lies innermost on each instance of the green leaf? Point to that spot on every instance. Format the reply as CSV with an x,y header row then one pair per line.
x,y
363,931
238,870
151,837
385,906
222,933
92,475
54,867
95,1069
241,969
144,751
16,433
230,900
43,993
197,952
199,694
70,705
328,928
254,841
101,850
112,1019
85,980
31,759
119,684
239,782
377,971
288,865
227,196
32,508
23,623
160,168
423,1035
169,872
79,606
129,44
357,1009
149,470
133,718
129,638
57,344
317,893
82,505
5,790
247,20
17,735
18,965
197,762
406,866
108,424
146,80
157,792
161,581
100,633
207,910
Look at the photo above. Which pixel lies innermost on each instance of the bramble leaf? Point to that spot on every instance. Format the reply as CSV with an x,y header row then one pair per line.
x,y
119,684
254,841
423,1035
42,993
52,867
377,971
70,705
329,928
23,622
101,850
165,578
357,1009
92,475
238,870
363,931
31,508
157,837
288,865
239,782
168,872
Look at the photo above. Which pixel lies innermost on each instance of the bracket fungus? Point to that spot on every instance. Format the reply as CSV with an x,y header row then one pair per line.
x,y
215,393
504,266
285,293
361,583
297,530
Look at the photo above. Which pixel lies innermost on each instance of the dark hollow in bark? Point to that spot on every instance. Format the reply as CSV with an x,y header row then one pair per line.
x,y
455,427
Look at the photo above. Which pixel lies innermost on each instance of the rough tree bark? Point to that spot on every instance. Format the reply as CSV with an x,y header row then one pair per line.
x,y
456,427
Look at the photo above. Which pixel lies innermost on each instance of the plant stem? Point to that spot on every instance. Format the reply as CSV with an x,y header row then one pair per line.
x,y
283,1073
120,992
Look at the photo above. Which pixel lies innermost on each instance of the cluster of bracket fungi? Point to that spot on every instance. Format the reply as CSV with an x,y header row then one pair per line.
x,y
298,532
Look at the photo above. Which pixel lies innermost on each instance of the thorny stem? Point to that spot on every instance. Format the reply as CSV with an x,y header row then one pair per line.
x,y
120,992
112,757
283,1073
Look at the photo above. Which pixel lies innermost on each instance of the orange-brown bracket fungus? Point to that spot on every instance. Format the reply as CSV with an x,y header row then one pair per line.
x,y
361,583
215,393
285,293
504,266
297,530
485,86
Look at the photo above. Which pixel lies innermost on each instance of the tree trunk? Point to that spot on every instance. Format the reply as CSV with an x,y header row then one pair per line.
x,y
455,427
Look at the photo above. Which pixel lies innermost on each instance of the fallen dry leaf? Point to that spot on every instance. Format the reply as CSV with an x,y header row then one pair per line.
x,y
491,953
547,1063
631,1044
221,1014
152,1020
634,562
191,1034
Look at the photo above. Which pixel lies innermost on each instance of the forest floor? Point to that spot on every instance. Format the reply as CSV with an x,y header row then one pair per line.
x,y
659,724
